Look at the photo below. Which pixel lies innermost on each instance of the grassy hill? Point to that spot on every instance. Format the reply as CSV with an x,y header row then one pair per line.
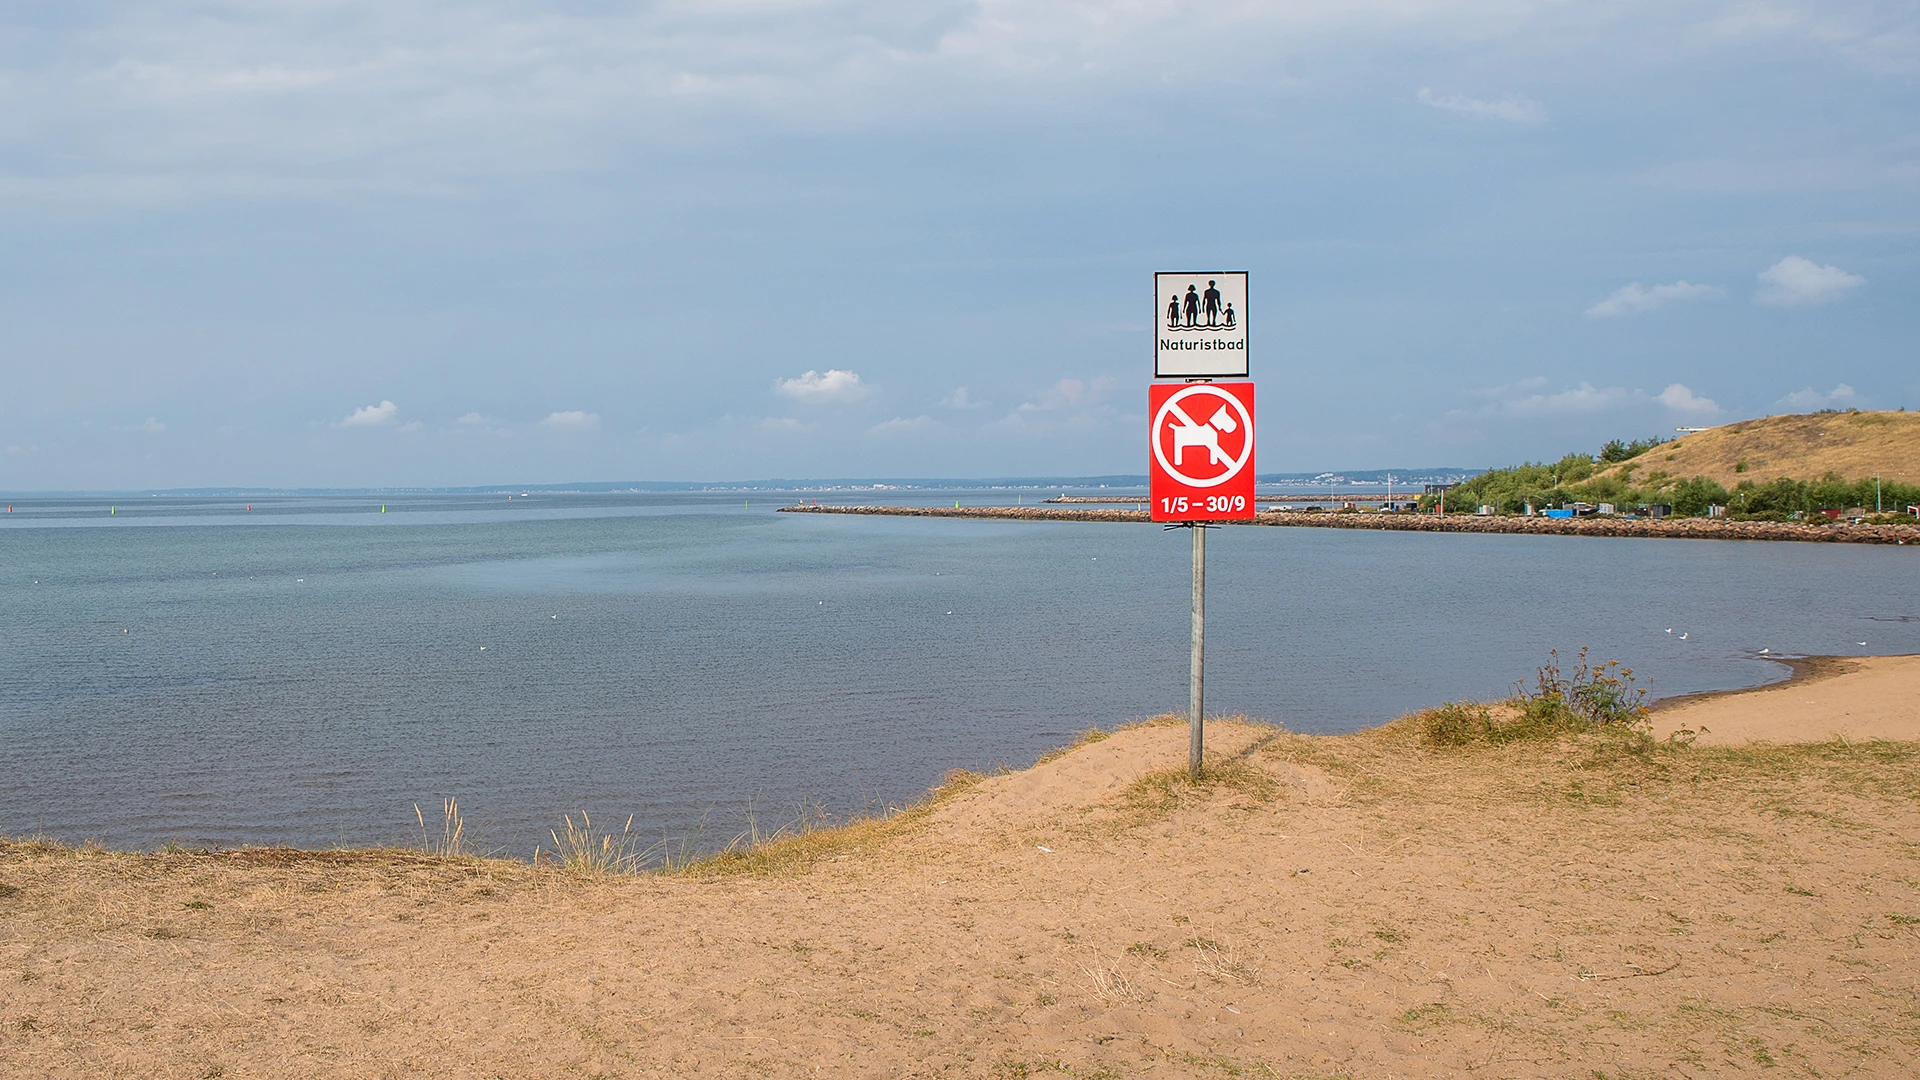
x,y
1778,468
1803,446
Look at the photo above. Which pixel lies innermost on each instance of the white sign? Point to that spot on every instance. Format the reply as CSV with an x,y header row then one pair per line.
x,y
1200,325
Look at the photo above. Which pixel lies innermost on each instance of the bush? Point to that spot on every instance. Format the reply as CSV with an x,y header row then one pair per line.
x,y
1604,695
1606,699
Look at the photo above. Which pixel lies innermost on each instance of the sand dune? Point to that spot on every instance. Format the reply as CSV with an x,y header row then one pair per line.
x,y
1356,906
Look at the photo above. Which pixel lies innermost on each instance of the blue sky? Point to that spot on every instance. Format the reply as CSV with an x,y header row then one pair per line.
x,y
337,242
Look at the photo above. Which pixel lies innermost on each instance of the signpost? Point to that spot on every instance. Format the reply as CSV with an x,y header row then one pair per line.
x,y
1200,435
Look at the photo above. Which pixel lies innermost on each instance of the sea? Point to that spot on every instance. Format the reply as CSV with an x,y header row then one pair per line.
x,y
328,670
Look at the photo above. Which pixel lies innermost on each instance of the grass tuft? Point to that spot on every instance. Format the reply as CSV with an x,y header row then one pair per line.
x,y
587,849
453,831
1111,985
1165,790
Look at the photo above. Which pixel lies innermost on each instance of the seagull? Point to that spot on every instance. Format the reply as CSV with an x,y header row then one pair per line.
x,y
1860,643
483,648
1764,652
556,616
1669,629
1863,643
1683,637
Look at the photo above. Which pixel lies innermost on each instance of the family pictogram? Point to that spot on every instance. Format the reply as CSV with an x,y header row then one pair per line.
x,y
1196,310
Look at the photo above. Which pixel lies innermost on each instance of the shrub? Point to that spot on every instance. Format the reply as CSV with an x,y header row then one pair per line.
x,y
1457,723
1604,698
1604,695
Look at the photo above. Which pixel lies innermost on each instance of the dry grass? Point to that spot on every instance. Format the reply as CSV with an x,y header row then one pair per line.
x,y
1802,447
1163,791
1222,962
587,849
797,849
1111,985
452,841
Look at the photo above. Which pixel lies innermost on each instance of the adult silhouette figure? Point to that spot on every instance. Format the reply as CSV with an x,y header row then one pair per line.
x,y
1173,312
1192,306
1211,301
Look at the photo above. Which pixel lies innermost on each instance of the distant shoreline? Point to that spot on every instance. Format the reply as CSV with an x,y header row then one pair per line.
x,y
1651,528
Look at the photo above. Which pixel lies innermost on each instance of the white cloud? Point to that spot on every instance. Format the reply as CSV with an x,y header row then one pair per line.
x,y
1512,400
822,387
474,418
961,399
1636,298
1840,397
1068,402
1677,397
1070,394
153,426
371,415
13,448
1513,110
1798,282
572,420
902,425
1584,398
784,425
412,425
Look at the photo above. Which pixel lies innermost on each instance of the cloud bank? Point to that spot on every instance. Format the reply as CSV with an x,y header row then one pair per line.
x,y
1513,110
1637,299
1809,399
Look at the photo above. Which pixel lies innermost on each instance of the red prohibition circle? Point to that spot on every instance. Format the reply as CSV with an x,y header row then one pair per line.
x,y
1172,405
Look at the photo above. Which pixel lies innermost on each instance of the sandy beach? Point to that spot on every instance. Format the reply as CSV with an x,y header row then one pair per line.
x,y
1878,698
1355,906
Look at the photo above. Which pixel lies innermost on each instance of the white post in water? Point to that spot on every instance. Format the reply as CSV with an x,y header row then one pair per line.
x,y
1196,719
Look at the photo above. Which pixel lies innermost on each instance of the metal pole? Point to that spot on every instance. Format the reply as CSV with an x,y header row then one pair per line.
x,y
1196,719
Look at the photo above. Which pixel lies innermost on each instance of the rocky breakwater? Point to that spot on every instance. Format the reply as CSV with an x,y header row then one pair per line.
x,y
1668,528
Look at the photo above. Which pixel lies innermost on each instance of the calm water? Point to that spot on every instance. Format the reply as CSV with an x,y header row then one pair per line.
x,y
304,673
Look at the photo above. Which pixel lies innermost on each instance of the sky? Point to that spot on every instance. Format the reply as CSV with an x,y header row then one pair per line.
x,y
353,243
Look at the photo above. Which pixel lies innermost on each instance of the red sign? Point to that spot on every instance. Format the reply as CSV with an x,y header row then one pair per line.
x,y
1200,462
